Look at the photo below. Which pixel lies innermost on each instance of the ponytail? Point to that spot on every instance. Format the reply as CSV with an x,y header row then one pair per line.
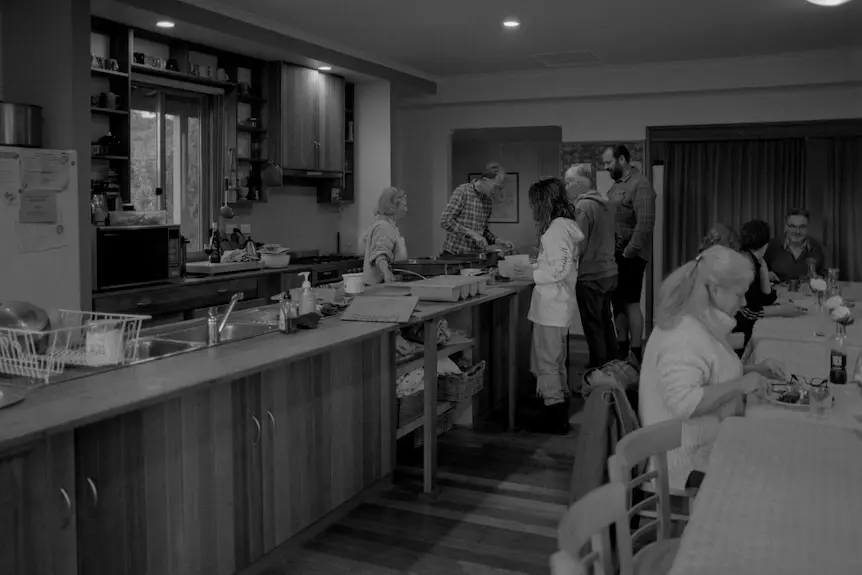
x,y
675,294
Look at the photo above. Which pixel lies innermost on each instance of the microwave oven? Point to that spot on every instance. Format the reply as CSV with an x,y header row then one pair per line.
x,y
129,256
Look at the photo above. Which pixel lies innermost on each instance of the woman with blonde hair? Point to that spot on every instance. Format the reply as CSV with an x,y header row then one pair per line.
x,y
689,370
383,243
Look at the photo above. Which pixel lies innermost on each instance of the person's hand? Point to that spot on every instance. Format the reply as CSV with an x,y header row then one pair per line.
x,y
773,278
629,253
388,276
772,369
506,244
754,382
479,239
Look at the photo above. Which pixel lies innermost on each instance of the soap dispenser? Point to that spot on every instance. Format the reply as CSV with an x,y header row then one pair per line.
x,y
307,298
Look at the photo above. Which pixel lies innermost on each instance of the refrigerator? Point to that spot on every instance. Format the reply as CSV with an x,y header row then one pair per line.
x,y
40,252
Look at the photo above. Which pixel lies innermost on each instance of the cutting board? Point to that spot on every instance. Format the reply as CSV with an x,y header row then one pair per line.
x,y
211,269
382,309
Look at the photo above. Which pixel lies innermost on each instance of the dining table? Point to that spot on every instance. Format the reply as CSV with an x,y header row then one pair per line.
x,y
781,496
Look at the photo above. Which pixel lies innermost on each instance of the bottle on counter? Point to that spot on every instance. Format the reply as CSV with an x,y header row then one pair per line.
x,y
838,355
307,297
287,314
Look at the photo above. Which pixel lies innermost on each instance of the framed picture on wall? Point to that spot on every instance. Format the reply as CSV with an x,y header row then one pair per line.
x,y
504,200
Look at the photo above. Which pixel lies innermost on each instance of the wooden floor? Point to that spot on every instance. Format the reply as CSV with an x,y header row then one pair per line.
x,y
501,497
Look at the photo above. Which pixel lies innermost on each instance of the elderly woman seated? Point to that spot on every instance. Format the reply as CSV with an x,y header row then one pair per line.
x,y
382,242
690,371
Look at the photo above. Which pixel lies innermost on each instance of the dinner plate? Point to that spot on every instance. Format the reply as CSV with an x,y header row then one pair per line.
x,y
11,395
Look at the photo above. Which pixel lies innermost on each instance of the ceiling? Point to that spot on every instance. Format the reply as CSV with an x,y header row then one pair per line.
x,y
451,37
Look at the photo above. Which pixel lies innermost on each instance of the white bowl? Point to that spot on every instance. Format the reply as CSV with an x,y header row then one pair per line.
x,y
275,261
353,283
470,271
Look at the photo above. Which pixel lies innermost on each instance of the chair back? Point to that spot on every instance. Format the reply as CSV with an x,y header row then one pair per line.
x,y
584,534
650,443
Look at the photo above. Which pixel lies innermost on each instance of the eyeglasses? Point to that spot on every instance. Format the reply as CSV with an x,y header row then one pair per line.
x,y
801,228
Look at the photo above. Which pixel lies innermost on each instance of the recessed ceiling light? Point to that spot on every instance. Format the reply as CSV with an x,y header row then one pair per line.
x,y
829,2
165,24
511,23
324,68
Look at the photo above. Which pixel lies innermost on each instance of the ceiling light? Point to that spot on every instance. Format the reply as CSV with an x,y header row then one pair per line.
x,y
829,2
165,24
324,68
511,23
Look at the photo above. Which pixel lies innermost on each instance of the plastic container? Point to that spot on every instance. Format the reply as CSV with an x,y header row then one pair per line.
x,y
275,261
307,297
353,283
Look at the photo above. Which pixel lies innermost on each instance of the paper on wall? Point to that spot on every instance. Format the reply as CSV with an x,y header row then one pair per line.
x,y
10,177
45,171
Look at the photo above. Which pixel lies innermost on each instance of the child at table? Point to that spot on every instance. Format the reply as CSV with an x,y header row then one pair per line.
x,y
553,303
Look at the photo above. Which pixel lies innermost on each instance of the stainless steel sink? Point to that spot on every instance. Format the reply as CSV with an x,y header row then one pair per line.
x,y
231,332
151,348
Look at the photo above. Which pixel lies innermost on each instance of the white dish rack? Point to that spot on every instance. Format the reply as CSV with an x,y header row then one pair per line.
x,y
81,338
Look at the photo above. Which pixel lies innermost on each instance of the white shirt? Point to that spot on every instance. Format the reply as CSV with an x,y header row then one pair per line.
x,y
677,364
556,274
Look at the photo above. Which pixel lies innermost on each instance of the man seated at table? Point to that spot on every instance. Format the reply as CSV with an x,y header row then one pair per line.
x,y
787,257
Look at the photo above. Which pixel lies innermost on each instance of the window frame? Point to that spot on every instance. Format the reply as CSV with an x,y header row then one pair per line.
x,y
212,140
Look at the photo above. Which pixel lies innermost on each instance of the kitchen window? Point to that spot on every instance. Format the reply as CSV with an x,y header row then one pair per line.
x,y
173,137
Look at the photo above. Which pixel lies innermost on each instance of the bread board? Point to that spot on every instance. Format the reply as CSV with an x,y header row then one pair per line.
x,y
211,269
448,288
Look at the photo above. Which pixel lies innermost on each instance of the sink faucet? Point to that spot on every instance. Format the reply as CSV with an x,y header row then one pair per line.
x,y
233,299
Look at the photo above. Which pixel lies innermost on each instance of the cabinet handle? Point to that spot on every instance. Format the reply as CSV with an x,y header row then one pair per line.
x,y
271,419
94,491
68,501
257,425
143,303
221,291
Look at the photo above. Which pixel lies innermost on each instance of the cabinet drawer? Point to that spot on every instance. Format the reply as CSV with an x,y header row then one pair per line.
x,y
176,299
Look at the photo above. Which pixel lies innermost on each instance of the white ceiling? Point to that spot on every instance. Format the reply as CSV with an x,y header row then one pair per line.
x,y
448,37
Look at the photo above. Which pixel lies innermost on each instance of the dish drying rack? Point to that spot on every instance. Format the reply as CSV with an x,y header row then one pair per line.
x,y
83,338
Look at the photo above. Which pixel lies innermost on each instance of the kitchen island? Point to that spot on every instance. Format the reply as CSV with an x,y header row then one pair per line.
x,y
202,462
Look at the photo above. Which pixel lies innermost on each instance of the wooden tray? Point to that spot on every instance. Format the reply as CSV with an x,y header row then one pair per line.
x,y
211,269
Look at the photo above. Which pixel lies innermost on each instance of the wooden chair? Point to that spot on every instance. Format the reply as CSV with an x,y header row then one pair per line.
x,y
650,443
584,534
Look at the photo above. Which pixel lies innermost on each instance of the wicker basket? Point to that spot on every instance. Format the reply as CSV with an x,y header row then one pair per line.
x,y
410,407
445,422
461,386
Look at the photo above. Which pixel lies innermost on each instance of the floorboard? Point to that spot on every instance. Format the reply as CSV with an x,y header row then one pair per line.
x,y
500,499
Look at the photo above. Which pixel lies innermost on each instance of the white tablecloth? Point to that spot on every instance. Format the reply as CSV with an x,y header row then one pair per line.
x,y
781,497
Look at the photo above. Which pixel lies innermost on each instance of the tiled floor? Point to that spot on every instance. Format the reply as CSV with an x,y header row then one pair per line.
x,y
501,497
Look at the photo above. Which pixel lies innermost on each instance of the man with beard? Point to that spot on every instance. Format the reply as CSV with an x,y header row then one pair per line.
x,y
633,200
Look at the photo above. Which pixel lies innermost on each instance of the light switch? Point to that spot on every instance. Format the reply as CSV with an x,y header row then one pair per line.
x,y
245,228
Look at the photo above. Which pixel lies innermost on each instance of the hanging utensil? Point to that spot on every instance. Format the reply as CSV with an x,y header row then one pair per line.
x,y
226,211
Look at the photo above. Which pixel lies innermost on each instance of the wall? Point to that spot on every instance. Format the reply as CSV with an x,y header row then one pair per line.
x,y
594,104
373,160
530,159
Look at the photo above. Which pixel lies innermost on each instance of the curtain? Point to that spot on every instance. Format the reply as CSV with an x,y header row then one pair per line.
x,y
731,182
842,205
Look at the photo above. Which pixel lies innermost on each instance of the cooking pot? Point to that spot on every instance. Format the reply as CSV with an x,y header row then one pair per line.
x,y
20,125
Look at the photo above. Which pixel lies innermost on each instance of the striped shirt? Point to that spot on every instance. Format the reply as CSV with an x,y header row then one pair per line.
x,y
468,210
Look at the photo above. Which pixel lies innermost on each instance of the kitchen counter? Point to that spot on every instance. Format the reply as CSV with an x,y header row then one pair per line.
x,y
205,461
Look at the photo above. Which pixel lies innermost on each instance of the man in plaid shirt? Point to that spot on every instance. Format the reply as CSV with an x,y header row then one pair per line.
x,y
466,216
633,200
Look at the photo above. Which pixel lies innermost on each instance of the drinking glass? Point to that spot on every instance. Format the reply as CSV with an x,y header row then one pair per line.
x,y
819,400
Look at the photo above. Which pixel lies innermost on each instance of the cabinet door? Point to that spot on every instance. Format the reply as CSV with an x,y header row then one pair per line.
x,y
37,515
248,492
299,118
331,117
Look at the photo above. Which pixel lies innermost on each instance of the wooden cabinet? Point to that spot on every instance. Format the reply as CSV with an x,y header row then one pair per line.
x,y
308,114
155,489
37,509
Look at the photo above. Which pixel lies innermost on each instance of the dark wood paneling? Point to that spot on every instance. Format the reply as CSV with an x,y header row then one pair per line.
x,y
771,130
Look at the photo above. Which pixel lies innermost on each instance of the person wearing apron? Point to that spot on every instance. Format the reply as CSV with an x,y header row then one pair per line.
x,y
383,243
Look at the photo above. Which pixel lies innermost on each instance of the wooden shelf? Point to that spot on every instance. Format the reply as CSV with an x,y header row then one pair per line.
x,y
104,72
110,157
442,408
181,76
249,99
108,111
416,362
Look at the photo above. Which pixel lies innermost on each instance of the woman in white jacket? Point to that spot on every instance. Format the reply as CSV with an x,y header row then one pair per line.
x,y
555,275
690,371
